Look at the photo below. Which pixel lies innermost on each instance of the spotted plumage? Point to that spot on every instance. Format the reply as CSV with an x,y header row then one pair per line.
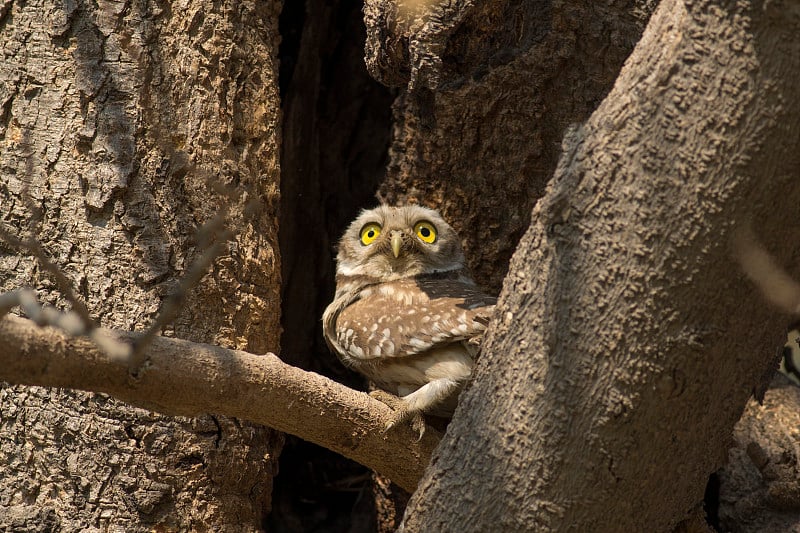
x,y
406,312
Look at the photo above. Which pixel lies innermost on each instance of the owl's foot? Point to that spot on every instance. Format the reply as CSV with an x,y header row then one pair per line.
x,y
401,413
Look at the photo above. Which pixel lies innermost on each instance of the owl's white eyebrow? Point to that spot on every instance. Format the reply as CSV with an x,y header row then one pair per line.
x,y
368,222
348,271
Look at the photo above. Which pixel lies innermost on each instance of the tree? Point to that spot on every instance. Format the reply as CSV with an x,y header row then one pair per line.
x,y
627,340
113,118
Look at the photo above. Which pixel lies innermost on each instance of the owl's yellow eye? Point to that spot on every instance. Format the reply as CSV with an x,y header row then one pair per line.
x,y
369,233
426,232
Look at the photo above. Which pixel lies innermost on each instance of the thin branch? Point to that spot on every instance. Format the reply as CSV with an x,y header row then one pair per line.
x,y
68,321
214,235
172,305
63,283
186,378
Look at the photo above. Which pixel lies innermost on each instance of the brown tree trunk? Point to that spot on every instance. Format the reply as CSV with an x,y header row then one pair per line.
x,y
116,122
627,341
495,85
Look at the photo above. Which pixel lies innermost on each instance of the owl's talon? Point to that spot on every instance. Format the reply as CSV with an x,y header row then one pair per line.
x,y
401,413
418,425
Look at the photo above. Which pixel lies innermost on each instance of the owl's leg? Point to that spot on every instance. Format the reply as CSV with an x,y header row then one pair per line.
x,y
412,406
430,395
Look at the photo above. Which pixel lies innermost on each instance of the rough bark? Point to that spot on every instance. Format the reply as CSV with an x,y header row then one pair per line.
x,y
490,87
758,488
390,504
113,116
627,341
96,468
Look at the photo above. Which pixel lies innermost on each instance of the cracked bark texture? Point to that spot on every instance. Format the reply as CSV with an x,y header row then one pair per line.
x,y
114,118
627,341
488,88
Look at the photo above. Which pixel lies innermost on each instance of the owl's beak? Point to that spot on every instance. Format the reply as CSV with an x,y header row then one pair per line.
x,y
397,242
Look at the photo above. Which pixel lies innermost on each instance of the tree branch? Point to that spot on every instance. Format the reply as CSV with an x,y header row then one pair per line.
x,y
185,378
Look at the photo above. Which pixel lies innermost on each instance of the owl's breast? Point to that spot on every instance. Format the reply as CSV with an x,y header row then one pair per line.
x,y
401,319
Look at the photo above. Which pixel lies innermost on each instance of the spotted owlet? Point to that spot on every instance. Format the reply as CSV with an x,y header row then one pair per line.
x,y
406,314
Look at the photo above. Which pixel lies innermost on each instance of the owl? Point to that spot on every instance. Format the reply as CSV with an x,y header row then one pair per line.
x,y
406,314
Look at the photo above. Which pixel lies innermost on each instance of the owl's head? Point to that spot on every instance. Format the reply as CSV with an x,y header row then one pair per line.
x,y
390,243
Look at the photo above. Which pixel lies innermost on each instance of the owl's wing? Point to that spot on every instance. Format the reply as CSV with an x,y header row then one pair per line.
x,y
405,318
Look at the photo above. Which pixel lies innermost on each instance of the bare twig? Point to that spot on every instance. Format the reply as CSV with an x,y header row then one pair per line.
x,y
172,303
77,322
69,321
216,235
9,300
33,247
213,235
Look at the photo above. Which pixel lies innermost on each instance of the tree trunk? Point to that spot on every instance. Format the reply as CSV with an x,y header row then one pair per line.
x,y
495,85
627,341
117,122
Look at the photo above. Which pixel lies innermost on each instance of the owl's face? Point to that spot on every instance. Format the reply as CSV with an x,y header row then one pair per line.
x,y
390,243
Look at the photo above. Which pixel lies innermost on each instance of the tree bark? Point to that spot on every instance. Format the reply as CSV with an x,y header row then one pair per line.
x,y
495,83
758,487
117,120
626,340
